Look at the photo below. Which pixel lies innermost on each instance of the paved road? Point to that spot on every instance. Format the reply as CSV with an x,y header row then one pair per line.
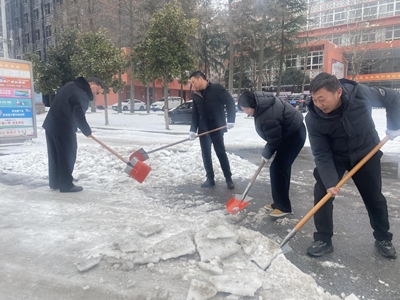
x,y
355,266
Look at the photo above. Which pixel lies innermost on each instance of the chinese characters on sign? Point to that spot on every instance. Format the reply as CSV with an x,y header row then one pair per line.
x,y
374,77
17,117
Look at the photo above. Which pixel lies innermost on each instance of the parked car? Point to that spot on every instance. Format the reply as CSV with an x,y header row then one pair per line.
x,y
182,113
126,105
298,101
172,103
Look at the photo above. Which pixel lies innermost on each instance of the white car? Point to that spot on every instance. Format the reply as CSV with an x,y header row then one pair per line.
x,y
126,105
172,103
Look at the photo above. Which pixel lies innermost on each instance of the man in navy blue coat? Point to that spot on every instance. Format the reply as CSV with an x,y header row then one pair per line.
x,y
341,132
210,101
66,114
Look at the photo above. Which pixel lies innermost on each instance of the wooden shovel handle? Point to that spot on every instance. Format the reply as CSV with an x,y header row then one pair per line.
x,y
341,182
253,179
108,148
184,140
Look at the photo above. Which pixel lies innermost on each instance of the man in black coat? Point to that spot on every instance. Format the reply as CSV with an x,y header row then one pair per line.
x,y
210,100
66,114
341,132
281,126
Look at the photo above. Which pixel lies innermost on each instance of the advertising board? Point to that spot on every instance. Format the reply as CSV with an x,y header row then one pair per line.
x,y
17,103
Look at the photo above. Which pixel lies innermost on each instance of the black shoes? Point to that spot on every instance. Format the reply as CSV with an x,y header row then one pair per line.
x,y
208,183
386,248
211,182
74,189
229,183
319,248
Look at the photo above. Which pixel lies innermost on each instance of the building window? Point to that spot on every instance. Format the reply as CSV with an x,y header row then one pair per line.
x,y
47,8
397,10
17,22
37,35
27,38
36,14
368,36
370,10
386,8
291,61
340,16
48,30
17,42
392,33
337,39
26,19
315,60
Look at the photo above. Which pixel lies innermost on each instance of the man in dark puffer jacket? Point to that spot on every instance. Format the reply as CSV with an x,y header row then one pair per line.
x,y
281,125
341,133
66,114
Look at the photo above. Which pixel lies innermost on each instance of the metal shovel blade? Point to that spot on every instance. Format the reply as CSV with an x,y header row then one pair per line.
x,y
234,205
140,154
137,170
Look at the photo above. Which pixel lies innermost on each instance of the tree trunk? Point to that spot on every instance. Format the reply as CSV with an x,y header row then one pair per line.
x,y
261,47
166,102
105,109
281,58
147,98
230,83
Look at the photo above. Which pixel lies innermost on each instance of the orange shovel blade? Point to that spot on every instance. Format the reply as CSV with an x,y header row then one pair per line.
x,y
139,154
233,206
140,171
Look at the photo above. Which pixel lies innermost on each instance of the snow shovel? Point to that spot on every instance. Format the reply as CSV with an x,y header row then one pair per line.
x,y
329,195
135,168
234,205
142,155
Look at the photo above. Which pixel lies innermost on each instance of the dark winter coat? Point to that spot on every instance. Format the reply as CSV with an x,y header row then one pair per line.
x,y
67,112
275,120
348,136
209,108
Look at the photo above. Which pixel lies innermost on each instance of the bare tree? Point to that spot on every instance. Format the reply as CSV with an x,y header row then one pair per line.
x,y
357,52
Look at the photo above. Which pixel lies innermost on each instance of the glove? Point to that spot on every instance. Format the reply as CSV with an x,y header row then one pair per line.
x,y
192,135
230,125
393,133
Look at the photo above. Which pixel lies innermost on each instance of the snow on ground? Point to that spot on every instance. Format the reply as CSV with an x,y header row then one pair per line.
x,y
227,258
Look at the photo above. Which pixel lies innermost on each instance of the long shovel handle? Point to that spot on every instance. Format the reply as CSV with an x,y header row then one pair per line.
x,y
329,195
252,180
184,140
109,149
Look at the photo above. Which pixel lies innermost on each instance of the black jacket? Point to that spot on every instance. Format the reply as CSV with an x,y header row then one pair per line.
x,y
348,133
209,108
275,120
67,112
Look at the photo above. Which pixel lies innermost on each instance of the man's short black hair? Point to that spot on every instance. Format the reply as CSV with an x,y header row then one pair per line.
x,y
197,74
325,80
96,81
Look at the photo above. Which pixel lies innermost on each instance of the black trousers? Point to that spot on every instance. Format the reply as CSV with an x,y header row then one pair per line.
x,y
369,183
61,151
281,169
217,139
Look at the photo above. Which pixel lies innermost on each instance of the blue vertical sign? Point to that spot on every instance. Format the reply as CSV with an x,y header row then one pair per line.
x,y
17,108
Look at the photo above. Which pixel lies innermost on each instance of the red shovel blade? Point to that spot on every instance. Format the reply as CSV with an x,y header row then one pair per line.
x,y
233,206
139,154
140,171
